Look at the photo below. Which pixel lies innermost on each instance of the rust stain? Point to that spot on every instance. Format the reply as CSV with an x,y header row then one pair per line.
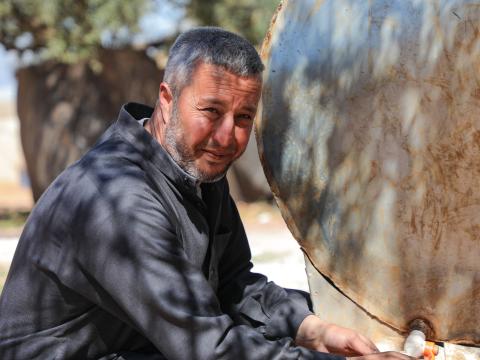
x,y
373,171
413,223
266,44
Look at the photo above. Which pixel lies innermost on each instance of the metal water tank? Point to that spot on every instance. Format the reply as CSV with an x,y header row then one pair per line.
x,y
369,134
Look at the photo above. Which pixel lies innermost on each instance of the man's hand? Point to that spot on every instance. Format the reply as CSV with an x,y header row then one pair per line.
x,y
319,335
390,355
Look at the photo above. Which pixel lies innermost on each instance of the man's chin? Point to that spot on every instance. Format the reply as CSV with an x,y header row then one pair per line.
x,y
212,179
212,175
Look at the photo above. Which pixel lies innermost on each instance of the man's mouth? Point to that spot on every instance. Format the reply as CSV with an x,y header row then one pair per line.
x,y
217,155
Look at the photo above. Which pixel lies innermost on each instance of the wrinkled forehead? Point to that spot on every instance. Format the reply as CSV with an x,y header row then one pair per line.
x,y
221,74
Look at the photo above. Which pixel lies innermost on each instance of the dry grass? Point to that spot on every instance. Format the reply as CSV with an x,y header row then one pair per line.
x,y
11,223
3,275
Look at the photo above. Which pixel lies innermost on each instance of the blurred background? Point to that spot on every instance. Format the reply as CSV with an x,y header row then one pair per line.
x,y
67,66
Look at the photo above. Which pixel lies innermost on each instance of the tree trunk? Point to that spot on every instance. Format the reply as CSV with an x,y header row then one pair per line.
x,y
64,108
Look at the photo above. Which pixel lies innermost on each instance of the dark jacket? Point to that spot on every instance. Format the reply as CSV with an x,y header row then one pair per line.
x,y
121,254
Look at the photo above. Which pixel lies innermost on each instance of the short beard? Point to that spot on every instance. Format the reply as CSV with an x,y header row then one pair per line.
x,y
181,154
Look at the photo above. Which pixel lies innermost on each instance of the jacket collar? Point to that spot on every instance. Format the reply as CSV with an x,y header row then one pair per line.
x,y
130,128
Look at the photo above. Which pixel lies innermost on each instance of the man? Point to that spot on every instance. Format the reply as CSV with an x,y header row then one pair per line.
x,y
137,250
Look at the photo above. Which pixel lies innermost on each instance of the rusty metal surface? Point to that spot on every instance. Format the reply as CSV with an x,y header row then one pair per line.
x,y
370,139
332,306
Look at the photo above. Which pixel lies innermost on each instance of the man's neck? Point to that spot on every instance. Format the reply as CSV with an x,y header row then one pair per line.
x,y
150,127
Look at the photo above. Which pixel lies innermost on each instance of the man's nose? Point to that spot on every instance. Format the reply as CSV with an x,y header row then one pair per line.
x,y
224,133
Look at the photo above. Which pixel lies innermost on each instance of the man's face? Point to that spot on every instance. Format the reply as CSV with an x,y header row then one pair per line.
x,y
210,123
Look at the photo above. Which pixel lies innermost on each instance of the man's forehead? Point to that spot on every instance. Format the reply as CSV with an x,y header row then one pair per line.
x,y
218,100
220,75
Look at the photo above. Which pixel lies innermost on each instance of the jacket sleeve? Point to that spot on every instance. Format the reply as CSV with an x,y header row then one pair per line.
x,y
133,266
250,298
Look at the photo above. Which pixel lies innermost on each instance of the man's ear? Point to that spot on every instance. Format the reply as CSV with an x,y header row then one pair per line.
x,y
165,97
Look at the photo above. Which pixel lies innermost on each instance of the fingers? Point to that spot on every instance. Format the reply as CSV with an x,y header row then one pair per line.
x,y
390,355
369,343
361,345
393,355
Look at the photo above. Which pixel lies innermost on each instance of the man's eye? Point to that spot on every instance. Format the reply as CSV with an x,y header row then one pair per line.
x,y
244,120
245,117
211,110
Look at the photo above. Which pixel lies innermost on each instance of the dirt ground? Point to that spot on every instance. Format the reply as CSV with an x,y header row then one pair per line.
x,y
14,198
275,252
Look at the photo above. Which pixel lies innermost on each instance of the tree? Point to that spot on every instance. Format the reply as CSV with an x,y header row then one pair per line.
x,y
250,18
68,31
63,108
81,68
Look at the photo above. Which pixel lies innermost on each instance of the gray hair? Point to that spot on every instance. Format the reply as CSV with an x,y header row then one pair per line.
x,y
210,45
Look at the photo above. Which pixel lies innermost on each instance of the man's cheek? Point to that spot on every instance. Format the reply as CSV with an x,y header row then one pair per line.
x,y
242,140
